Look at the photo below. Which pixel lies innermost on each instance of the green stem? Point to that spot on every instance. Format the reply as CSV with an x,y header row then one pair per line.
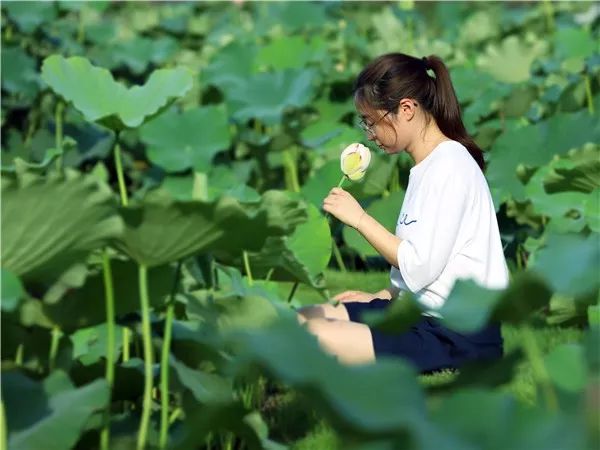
x,y
269,274
110,345
588,94
19,354
292,292
291,171
164,364
338,256
342,181
534,354
58,137
54,347
3,430
549,10
120,175
247,267
126,340
174,415
148,357
81,27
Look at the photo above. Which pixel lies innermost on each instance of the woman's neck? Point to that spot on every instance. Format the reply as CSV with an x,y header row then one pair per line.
x,y
425,142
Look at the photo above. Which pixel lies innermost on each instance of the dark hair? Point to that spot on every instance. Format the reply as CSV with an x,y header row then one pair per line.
x,y
391,77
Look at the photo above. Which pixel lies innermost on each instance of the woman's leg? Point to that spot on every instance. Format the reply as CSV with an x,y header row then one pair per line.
x,y
323,311
350,342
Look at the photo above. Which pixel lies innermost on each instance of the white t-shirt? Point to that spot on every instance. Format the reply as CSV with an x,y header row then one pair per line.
x,y
448,228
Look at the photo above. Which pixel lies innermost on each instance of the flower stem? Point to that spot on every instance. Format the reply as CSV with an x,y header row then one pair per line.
x,y
3,430
247,267
293,291
120,175
164,363
56,334
338,256
126,333
342,181
588,94
110,345
58,132
148,357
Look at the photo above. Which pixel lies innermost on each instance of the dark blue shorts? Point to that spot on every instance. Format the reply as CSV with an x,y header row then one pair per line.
x,y
428,344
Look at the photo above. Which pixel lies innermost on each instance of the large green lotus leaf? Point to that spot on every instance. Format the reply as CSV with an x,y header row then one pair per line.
x,y
54,408
177,142
577,171
160,229
287,352
265,96
533,146
30,15
95,93
566,367
85,307
569,263
565,209
494,420
511,60
205,387
573,46
386,211
333,147
20,76
139,52
469,306
302,256
291,52
231,65
49,224
316,134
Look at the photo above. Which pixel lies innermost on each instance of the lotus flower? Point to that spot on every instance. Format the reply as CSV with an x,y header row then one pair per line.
x,y
354,161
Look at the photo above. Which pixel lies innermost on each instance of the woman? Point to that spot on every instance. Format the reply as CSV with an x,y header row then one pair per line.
x,y
446,229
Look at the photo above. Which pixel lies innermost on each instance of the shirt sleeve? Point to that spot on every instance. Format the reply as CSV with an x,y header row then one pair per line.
x,y
425,253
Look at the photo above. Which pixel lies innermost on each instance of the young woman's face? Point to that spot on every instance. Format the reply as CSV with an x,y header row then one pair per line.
x,y
391,131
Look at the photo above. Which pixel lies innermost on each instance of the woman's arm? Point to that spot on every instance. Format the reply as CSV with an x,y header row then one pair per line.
x,y
342,205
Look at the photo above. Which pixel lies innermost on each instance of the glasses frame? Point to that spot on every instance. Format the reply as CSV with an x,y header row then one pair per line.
x,y
369,128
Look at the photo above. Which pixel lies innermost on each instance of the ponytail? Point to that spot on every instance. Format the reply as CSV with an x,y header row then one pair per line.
x,y
393,76
446,109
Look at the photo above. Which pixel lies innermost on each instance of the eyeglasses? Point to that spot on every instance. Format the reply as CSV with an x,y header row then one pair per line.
x,y
369,128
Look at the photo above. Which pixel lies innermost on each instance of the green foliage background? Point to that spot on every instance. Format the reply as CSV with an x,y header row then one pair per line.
x,y
163,167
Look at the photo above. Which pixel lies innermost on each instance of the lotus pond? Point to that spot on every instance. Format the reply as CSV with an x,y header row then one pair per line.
x,y
163,168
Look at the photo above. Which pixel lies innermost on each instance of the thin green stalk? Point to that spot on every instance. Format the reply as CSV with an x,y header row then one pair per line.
x,y
292,292
58,132
588,94
247,267
164,363
3,430
56,334
120,175
549,10
534,355
291,171
269,274
126,340
342,181
110,345
148,357
174,415
19,354
338,256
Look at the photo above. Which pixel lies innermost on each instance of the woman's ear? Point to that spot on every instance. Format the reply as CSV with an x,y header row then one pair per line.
x,y
407,108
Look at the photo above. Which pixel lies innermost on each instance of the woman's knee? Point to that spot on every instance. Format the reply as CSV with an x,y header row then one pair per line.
x,y
324,311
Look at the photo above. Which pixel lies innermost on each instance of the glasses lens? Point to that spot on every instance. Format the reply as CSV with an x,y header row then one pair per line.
x,y
363,125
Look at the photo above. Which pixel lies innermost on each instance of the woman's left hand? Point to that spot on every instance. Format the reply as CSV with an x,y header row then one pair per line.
x,y
343,206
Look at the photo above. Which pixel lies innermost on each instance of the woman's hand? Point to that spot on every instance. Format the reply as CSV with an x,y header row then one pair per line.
x,y
343,206
354,296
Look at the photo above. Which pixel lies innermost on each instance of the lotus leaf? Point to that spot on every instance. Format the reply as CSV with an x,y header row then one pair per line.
x,y
95,93
54,408
49,224
12,291
20,76
567,368
292,52
265,96
160,230
177,142
30,15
